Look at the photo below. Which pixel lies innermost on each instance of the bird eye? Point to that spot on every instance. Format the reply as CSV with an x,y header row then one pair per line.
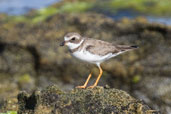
x,y
73,38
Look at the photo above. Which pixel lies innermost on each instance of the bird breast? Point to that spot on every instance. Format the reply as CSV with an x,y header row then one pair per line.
x,y
89,57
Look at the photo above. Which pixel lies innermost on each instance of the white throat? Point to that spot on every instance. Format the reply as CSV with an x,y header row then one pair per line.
x,y
73,46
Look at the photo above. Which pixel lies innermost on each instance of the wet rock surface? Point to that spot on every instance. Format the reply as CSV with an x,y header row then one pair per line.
x,y
30,56
98,100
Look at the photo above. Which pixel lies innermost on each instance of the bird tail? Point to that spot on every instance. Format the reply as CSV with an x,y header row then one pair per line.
x,y
126,48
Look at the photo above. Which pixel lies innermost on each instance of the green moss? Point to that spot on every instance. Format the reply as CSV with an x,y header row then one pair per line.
x,y
16,19
155,7
76,7
10,112
24,78
136,78
43,13
47,11
19,18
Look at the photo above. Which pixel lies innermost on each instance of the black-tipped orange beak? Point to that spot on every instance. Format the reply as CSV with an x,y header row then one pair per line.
x,y
62,43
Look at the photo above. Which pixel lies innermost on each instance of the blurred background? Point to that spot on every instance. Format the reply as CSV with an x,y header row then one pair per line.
x,y
31,59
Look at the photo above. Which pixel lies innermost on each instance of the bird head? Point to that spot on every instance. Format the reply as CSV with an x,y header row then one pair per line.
x,y
72,40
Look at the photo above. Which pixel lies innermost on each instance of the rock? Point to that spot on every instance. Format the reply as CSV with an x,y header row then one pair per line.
x,y
81,101
156,95
9,91
16,59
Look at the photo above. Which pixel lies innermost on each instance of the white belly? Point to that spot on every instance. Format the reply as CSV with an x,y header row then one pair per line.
x,y
91,58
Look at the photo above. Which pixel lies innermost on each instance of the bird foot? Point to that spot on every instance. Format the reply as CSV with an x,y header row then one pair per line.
x,y
82,87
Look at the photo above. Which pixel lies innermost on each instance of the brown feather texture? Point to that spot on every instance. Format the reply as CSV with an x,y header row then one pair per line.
x,y
102,48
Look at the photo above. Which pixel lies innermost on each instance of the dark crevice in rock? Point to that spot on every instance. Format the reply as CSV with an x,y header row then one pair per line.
x,y
2,47
31,49
35,55
163,31
30,102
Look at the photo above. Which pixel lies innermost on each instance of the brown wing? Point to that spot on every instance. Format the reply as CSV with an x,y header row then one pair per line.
x,y
102,48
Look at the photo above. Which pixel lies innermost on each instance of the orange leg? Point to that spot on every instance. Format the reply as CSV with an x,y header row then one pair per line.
x,y
85,84
98,78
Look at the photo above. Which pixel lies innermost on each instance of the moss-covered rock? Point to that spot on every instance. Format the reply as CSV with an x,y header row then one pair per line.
x,y
98,100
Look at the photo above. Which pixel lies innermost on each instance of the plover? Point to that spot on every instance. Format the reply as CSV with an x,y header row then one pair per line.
x,y
93,51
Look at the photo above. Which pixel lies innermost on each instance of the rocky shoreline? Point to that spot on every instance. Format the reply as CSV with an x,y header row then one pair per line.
x,y
31,57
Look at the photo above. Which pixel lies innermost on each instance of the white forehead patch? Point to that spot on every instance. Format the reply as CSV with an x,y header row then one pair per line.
x,y
66,38
69,38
